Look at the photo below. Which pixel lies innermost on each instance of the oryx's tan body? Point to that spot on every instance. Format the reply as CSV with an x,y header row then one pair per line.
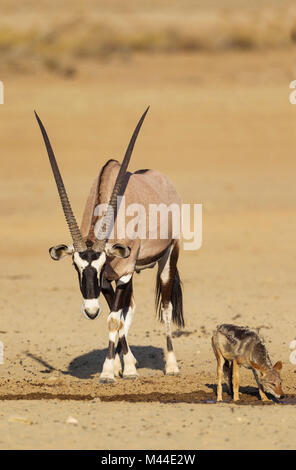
x,y
141,187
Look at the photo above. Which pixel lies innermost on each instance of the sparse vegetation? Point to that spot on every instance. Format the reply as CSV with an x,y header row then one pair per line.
x,y
67,41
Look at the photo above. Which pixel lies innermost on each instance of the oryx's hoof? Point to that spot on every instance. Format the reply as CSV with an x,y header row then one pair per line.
x,y
107,380
172,370
130,377
171,366
117,366
118,373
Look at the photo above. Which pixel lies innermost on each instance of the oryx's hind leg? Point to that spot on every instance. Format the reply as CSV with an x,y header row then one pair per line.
x,y
169,301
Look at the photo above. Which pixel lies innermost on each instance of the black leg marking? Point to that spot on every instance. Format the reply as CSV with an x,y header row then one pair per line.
x,y
169,344
119,303
122,296
124,344
118,348
111,350
108,293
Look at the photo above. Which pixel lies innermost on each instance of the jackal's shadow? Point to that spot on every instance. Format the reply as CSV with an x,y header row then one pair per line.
x,y
248,390
89,364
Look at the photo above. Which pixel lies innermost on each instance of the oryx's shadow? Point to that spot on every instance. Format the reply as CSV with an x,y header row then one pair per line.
x,y
89,364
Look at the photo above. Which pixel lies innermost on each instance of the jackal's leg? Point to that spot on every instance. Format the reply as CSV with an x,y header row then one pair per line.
x,y
261,393
263,396
235,380
115,327
227,371
167,280
220,362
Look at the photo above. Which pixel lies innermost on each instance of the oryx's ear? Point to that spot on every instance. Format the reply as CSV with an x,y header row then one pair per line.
x,y
120,251
59,251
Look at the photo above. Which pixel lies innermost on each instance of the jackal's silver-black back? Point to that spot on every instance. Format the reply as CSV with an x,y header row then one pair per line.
x,y
241,342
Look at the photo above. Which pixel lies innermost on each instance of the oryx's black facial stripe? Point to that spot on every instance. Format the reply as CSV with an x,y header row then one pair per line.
x,y
89,283
89,269
79,274
89,255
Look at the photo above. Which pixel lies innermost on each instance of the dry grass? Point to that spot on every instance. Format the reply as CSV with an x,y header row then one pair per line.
x,y
60,43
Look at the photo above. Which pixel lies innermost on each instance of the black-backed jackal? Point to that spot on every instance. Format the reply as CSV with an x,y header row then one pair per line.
x,y
236,346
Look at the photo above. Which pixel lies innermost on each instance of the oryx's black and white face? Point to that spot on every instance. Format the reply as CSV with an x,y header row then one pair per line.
x,y
89,265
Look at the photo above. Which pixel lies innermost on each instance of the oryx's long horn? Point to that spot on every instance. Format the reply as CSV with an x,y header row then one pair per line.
x,y
78,241
117,189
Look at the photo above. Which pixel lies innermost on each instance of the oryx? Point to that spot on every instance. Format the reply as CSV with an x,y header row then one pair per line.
x,y
100,260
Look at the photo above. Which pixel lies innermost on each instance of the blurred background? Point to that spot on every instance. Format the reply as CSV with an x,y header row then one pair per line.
x,y
216,75
61,38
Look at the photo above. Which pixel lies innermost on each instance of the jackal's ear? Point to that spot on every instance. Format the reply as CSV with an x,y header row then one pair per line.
x,y
60,251
278,366
257,366
118,250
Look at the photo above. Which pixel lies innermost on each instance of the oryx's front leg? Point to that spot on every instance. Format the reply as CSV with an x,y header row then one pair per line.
x,y
107,375
116,328
129,360
109,295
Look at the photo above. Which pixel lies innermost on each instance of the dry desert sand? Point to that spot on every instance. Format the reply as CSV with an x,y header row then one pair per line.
x,y
222,128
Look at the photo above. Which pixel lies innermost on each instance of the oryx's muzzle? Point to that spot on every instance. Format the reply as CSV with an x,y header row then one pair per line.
x,y
91,308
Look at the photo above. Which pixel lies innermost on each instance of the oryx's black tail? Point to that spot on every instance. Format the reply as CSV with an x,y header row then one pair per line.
x,y
177,301
171,292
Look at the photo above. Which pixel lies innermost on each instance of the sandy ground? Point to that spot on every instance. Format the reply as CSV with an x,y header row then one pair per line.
x,y
223,129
